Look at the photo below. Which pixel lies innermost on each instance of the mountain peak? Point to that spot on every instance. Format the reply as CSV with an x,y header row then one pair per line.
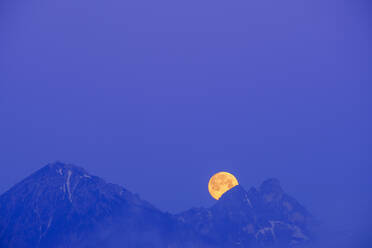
x,y
62,169
234,199
270,184
235,193
66,198
271,190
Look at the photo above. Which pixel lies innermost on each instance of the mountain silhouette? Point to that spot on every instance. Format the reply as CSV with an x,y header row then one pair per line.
x,y
62,205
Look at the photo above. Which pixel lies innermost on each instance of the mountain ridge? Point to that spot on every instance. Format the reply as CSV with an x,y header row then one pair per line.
x,y
62,205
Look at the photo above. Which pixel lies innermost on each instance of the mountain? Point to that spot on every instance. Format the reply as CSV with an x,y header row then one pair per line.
x,y
258,218
64,206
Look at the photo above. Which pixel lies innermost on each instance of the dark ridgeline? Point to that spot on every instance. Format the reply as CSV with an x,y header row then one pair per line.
x,y
63,206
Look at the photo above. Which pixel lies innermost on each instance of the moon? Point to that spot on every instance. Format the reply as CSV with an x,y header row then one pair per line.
x,y
220,183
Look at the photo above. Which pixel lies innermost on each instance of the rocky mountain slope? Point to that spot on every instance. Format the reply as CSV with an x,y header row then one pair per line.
x,y
258,218
64,206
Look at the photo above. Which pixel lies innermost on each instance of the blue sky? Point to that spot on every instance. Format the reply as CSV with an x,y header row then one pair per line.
x,y
159,95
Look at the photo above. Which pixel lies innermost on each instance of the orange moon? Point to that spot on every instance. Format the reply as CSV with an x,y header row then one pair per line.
x,y
220,183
